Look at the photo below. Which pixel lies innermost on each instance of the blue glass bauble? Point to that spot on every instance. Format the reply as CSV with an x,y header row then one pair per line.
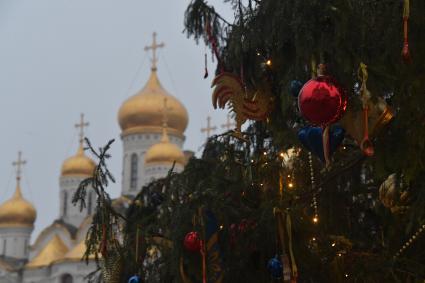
x,y
275,267
294,87
134,279
311,138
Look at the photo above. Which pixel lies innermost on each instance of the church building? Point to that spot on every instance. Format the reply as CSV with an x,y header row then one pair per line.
x,y
152,124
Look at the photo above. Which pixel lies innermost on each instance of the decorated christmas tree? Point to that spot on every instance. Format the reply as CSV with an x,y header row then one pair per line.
x,y
325,184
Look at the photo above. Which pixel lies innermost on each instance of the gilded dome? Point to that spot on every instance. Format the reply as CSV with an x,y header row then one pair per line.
x,y
164,152
17,211
78,165
142,112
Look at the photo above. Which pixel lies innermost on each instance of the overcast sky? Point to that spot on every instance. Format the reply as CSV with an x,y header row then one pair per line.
x,y
59,58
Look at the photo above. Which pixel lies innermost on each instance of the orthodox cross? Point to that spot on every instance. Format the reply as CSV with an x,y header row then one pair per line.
x,y
229,124
209,128
19,163
154,47
81,126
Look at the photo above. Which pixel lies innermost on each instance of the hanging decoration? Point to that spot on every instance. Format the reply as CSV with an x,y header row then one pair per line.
x,y
411,240
322,102
313,189
393,195
275,267
245,103
295,88
192,242
312,139
365,145
378,115
135,279
111,267
405,53
284,229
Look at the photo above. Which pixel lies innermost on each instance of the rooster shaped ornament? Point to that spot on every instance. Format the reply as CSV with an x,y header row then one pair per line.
x,y
247,104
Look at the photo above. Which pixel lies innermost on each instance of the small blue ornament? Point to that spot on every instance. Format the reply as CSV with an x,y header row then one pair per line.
x,y
295,87
134,279
156,198
311,138
275,267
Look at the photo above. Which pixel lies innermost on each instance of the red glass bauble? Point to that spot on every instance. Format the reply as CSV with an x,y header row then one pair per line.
x,y
192,242
322,101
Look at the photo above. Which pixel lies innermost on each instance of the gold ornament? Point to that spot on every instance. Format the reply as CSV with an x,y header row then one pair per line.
x,y
379,114
391,196
111,267
245,103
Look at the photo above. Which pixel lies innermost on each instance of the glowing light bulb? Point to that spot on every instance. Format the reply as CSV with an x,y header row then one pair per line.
x,y
221,227
315,219
269,62
282,154
290,185
333,244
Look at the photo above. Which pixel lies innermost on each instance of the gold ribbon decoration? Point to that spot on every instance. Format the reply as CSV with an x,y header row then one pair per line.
x,y
284,227
365,145
405,53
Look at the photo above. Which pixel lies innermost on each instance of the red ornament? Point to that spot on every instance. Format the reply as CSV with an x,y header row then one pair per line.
x,y
192,242
322,101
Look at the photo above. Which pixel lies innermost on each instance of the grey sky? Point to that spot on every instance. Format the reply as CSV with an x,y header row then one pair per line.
x,y
62,57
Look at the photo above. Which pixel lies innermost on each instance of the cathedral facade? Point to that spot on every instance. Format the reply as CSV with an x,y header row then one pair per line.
x,y
152,132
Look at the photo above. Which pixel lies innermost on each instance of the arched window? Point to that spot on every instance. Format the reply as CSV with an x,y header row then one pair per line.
x,y
65,202
133,171
66,278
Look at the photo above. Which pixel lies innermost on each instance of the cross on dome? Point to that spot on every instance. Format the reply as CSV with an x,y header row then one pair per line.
x,y
19,163
81,126
229,124
209,128
154,47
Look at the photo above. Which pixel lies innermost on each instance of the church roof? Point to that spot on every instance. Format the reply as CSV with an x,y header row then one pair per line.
x,y
53,251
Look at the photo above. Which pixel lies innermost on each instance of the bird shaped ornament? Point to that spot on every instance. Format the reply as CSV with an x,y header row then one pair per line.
x,y
246,103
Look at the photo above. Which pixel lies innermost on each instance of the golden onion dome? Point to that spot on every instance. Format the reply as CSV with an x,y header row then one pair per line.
x,y
78,165
164,152
142,112
17,212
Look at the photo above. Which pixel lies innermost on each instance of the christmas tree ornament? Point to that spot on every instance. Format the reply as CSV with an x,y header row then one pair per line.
x,y
365,145
192,242
156,198
378,115
312,139
275,267
244,102
295,87
112,267
135,279
392,194
405,53
321,100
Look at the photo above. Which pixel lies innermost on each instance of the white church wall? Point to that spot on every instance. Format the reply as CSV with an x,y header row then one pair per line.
x,y
70,213
14,242
138,144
